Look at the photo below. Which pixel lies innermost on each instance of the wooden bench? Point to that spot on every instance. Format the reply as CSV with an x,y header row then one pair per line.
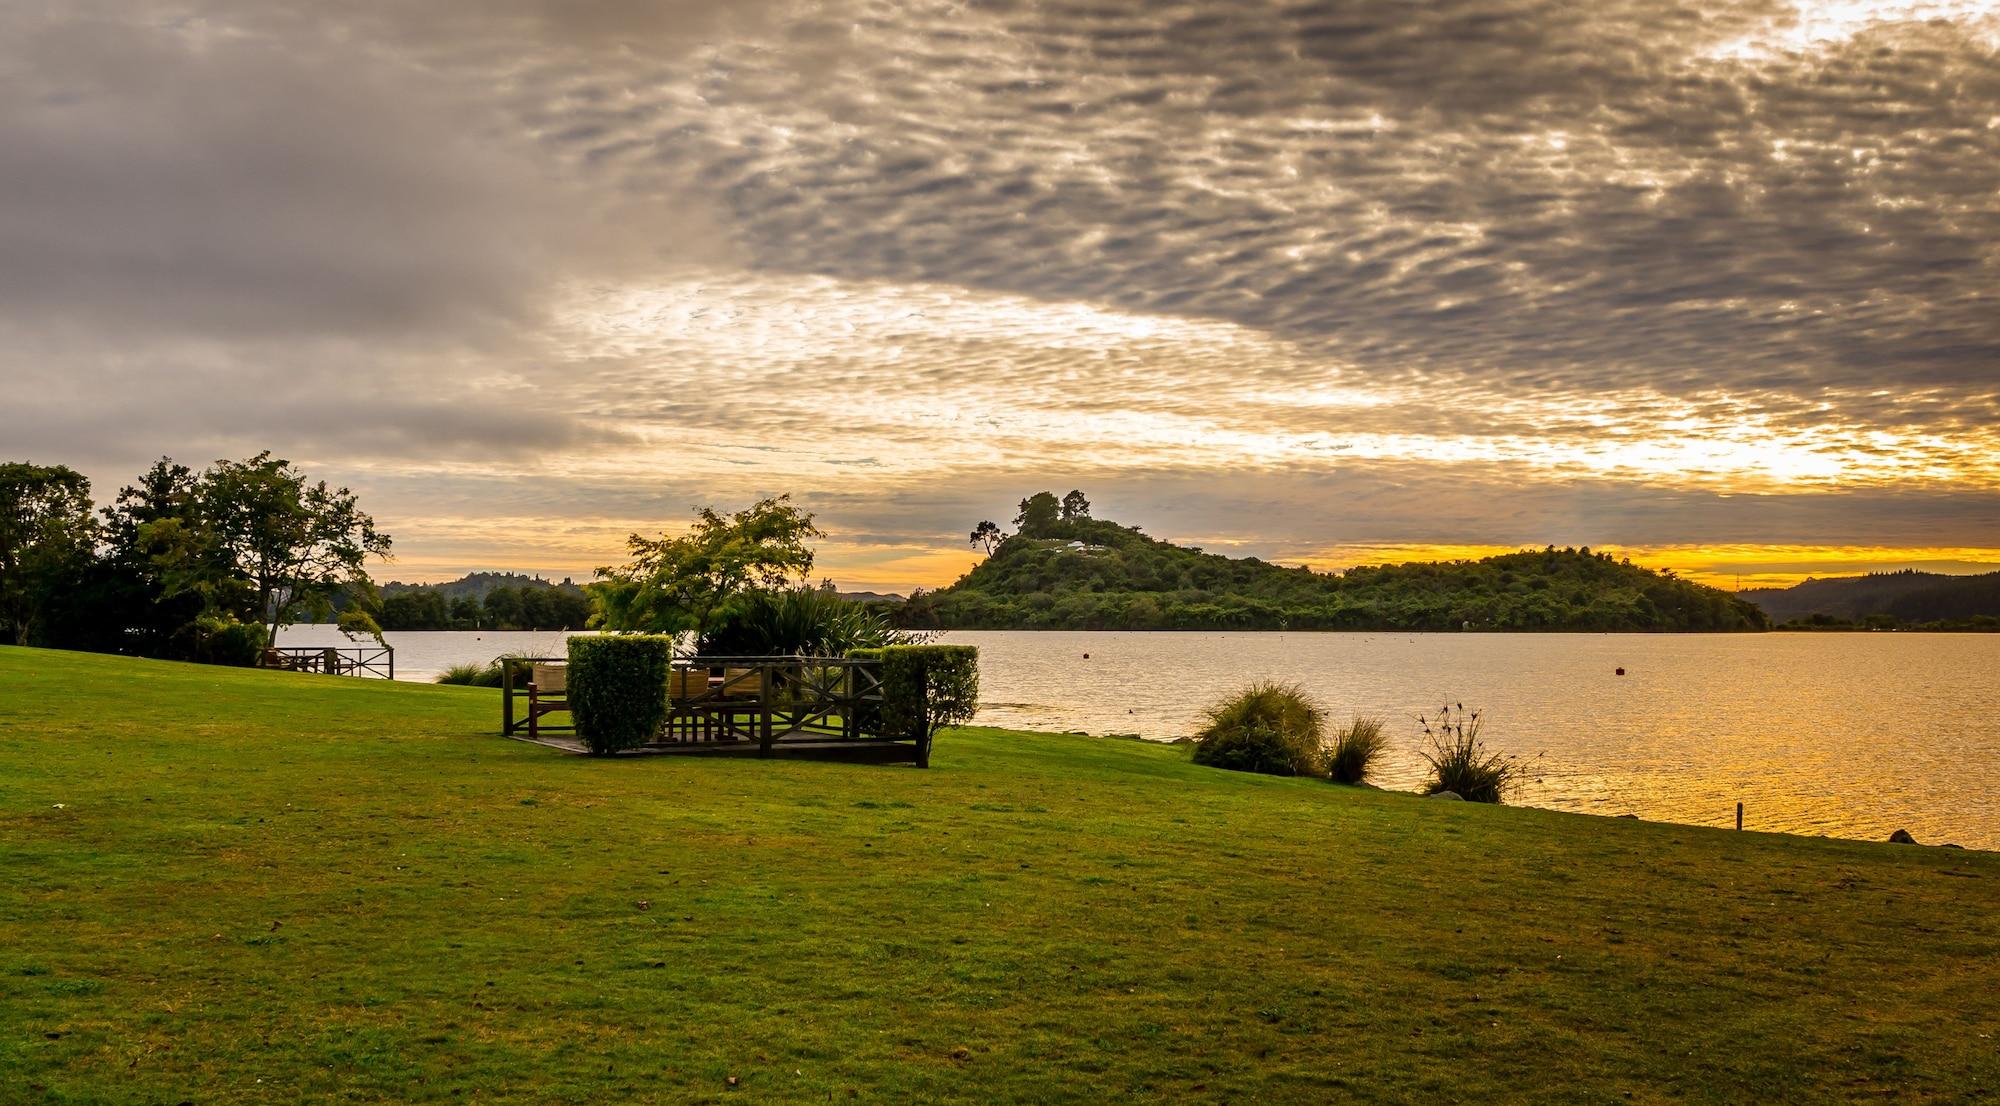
x,y
548,693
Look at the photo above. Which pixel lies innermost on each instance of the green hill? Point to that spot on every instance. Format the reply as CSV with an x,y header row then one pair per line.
x,y
231,886
1090,574
1904,598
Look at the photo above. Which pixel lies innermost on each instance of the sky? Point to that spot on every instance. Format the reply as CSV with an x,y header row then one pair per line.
x,y
1713,285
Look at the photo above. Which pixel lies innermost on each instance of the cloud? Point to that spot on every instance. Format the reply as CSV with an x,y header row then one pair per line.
x,y
1623,271
164,180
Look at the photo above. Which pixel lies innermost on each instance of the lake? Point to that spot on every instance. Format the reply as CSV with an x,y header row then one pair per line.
x,y
1851,735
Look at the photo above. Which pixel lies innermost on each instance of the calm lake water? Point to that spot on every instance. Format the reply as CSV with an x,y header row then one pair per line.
x,y
1851,735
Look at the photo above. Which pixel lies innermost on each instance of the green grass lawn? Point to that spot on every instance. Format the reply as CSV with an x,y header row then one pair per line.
x,y
232,886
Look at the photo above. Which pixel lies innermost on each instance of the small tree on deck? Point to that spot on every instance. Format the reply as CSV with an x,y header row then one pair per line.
x,y
675,584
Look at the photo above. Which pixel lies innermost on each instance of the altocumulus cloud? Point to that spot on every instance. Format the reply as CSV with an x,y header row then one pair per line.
x,y
1495,271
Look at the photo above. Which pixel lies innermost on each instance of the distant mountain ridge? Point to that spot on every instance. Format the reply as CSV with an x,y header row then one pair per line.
x,y
1907,597
1085,574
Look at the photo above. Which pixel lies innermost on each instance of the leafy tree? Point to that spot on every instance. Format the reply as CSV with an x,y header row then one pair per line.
x,y
568,608
296,543
466,613
356,623
161,576
987,534
681,583
1075,506
504,608
415,609
47,541
1039,514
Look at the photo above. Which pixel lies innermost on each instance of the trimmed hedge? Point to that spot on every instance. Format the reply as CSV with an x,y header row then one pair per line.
x,y
924,689
618,689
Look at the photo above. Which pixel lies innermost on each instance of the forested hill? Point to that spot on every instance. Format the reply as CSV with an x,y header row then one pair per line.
x,y
1086,573
476,585
1903,598
485,601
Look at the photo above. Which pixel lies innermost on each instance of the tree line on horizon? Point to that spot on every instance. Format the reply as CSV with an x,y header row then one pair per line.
x,y
207,565
531,604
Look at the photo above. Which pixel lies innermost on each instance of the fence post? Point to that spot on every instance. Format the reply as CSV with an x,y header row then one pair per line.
x,y
506,699
764,709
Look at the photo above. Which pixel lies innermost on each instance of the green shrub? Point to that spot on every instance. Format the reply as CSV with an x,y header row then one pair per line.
x,y
618,689
220,639
924,689
1459,761
1354,750
1272,728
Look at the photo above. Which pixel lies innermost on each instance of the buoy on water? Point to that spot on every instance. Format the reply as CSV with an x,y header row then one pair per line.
x,y
1621,672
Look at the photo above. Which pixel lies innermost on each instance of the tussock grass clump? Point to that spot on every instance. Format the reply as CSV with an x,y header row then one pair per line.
x,y
490,674
472,675
1460,762
1354,749
1272,728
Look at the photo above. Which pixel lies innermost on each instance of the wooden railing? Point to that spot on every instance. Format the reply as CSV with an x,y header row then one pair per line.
x,y
771,699
378,661
752,703
515,707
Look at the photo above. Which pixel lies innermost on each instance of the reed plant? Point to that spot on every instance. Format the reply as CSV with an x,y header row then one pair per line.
x,y
1460,762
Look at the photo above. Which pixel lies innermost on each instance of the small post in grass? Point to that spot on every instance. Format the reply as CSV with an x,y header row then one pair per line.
x,y
1739,816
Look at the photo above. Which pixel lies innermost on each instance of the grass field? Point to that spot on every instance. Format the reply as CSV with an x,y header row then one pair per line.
x,y
227,886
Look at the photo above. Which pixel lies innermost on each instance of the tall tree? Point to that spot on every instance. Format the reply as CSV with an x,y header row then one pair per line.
x,y
679,583
1075,506
163,569
1039,512
47,541
988,534
297,543
504,610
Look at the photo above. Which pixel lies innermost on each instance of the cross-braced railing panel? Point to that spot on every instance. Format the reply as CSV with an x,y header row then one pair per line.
x,y
772,699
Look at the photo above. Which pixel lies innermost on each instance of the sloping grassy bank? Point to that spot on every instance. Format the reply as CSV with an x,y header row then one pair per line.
x,y
229,886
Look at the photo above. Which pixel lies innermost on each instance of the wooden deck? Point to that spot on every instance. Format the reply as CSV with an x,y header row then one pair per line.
x,y
821,707
802,746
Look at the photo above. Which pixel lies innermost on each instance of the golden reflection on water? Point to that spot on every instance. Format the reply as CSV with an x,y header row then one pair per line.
x,y
1849,735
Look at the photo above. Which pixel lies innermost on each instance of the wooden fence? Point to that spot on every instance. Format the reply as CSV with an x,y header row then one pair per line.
x,y
371,661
